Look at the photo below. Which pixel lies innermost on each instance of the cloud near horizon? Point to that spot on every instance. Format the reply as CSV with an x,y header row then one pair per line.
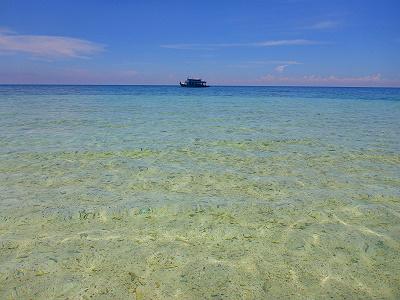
x,y
46,46
129,76
270,43
369,80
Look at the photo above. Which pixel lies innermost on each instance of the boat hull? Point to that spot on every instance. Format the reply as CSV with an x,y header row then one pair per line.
x,y
192,86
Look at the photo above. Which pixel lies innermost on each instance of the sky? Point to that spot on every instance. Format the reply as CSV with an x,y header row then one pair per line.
x,y
286,42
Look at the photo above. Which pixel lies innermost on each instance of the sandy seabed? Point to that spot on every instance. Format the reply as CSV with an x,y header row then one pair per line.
x,y
217,219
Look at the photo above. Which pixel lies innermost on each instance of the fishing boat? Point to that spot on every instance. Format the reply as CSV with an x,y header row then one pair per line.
x,y
193,83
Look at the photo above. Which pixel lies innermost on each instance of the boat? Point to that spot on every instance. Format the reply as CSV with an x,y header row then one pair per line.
x,y
193,83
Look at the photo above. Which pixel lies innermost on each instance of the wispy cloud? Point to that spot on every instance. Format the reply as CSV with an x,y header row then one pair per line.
x,y
327,24
270,43
286,43
46,46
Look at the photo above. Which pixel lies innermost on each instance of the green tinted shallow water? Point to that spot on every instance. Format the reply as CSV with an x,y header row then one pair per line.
x,y
222,193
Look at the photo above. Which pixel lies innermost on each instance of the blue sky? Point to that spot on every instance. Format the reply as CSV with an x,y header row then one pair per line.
x,y
287,42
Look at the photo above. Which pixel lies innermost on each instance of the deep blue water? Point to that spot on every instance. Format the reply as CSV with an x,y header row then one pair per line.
x,y
346,93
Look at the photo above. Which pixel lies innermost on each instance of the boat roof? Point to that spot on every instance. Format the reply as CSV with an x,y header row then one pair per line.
x,y
194,79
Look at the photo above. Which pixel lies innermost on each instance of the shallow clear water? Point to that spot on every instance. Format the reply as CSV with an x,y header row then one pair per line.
x,y
157,192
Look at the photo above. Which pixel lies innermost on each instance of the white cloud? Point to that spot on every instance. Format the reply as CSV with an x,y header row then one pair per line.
x,y
46,46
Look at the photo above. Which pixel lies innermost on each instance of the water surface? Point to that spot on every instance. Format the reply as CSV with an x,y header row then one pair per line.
x,y
160,192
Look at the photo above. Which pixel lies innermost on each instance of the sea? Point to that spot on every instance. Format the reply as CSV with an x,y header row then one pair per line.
x,y
162,192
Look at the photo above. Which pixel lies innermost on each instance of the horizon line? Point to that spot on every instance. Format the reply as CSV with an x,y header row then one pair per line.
x,y
177,85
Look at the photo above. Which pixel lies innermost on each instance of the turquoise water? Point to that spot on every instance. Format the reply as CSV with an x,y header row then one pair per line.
x,y
157,192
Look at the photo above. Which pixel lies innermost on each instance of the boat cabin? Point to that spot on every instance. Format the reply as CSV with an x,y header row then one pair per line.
x,y
192,82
